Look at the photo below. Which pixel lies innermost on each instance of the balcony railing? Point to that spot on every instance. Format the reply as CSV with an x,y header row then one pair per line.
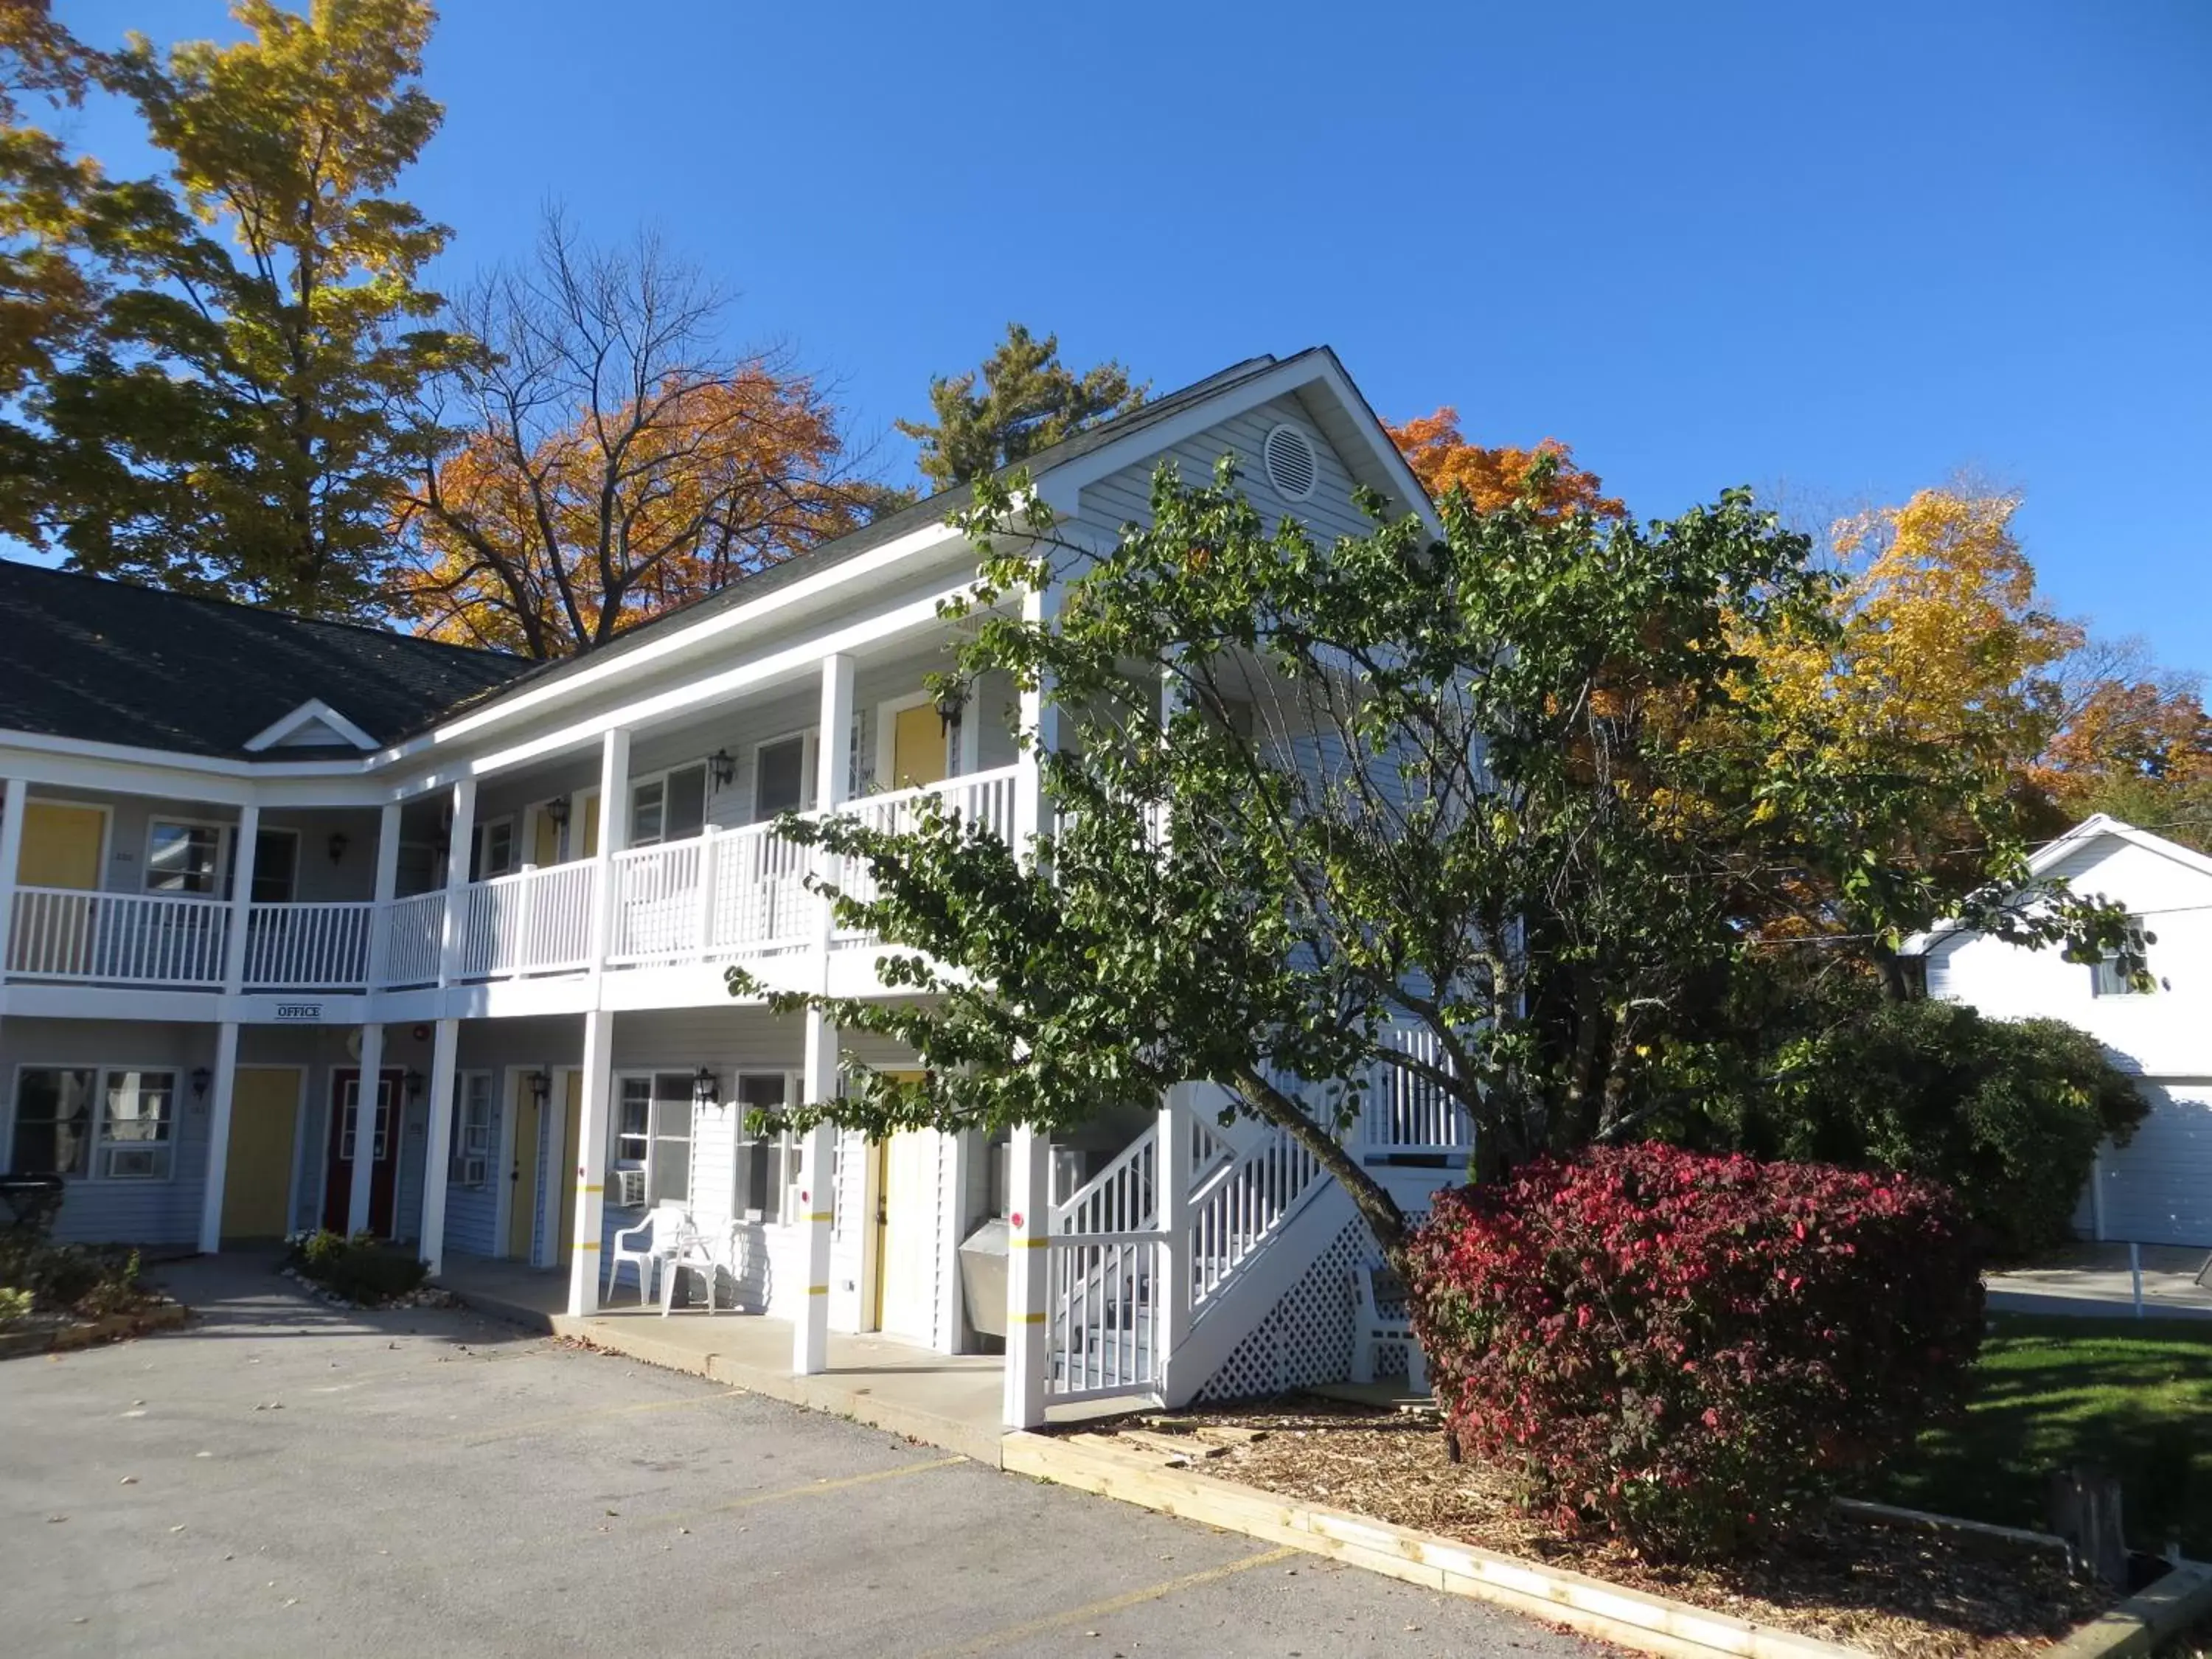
x,y
716,896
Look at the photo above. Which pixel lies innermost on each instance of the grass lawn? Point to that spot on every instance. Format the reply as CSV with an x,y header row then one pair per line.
x,y
2132,1395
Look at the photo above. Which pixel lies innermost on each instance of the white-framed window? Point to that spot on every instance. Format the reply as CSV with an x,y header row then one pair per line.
x,y
652,1132
783,774
476,1120
669,805
139,1126
55,1106
766,1164
111,1123
491,849
2109,978
185,856
275,865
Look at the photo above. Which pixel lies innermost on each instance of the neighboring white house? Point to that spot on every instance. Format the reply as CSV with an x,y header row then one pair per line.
x,y
2157,1190
254,869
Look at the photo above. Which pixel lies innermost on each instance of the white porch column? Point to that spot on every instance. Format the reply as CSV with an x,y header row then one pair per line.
x,y
833,762
1171,1292
222,1090
15,801
1029,1333
591,1175
445,1052
240,910
386,887
364,1126
458,839
614,835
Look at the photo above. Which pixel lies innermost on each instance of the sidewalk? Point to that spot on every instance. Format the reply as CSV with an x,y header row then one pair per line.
x,y
2094,1281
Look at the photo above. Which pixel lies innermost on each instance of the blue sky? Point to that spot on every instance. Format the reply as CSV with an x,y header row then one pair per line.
x,y
1836,251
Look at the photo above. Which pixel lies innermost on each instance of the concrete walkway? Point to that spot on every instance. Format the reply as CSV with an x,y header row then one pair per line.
x,y
2095,1281
952,1400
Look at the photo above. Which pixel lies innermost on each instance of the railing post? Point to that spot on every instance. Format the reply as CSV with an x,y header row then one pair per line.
x,y
15,801
454,934
591,1173
1028,1278
833,760
1171,1168
710,875
240,913
380,914
614,835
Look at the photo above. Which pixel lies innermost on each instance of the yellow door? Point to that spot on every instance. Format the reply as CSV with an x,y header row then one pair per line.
x,y
587,808
564,1190
906,1238
257,1177
61,845
522,1174
917,747
545,843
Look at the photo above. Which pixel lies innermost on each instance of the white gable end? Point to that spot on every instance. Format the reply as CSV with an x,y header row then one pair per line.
x,y
314,724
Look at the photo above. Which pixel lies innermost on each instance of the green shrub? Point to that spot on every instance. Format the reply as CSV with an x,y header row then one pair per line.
x,y
15,1305
362,1269
1686,1349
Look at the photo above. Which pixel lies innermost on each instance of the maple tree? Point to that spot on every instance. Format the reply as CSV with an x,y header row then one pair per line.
x,y
1028,400
1443,460
605,456
208,363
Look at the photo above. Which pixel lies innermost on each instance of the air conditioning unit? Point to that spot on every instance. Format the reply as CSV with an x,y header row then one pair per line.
x,y
629,1189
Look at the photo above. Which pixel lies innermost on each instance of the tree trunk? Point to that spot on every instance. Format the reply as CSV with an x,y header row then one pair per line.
x,y
1377,1208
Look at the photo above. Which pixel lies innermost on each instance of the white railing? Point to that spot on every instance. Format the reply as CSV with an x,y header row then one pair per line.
x,y
760,901
1118,1199
414,938
1407,1113
539,921
657,914
1105,1315
131,938
985,800
308,946
1241,1204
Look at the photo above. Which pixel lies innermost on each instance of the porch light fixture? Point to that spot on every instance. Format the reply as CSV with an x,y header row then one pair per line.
x,y
337,846
413,1083
558,811
721,768
541,1086
706,1088
952,697
201,1078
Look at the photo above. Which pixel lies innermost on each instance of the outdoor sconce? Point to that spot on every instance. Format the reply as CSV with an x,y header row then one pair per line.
x,y
337,845
952,697
721,768
541,1087
706,1088
413,1083
201,1078
558,810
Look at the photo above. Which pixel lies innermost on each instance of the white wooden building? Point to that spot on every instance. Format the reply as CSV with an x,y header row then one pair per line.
x,y
248,862
2157,1190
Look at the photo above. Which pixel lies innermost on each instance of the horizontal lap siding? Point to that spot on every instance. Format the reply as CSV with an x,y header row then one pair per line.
x,y
2158,1187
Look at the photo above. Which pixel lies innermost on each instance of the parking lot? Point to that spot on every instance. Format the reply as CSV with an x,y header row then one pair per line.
x,y
282,1478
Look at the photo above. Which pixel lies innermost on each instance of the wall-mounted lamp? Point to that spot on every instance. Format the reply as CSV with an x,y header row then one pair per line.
x,y
952,697
201,1078
541,1086
337,846
412,1082
706,1088
558,810
721,768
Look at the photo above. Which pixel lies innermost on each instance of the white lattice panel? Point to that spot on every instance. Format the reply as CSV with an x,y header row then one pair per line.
x,y
1306,1338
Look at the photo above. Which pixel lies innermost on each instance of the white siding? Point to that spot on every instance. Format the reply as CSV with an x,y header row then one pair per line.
x,y
2158,1187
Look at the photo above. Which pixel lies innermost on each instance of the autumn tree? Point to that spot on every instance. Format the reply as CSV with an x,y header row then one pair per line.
x,y
223,421
607,455
1443,460
1028,400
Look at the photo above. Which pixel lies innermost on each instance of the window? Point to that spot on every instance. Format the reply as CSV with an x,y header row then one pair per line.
x,y
669,807
473,1130
276,862
137,1132
491,849
781,783
652,1132
54,1120
2114,975
766,1164
184,857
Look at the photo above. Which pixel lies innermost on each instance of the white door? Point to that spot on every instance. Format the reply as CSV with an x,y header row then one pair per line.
x,y
2158,1187
906,1253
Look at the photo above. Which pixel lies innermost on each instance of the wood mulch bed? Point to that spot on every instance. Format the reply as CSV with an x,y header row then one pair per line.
x,y
1872,1587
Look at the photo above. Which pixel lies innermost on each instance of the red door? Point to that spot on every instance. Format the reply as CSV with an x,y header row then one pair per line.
x,y
383,1175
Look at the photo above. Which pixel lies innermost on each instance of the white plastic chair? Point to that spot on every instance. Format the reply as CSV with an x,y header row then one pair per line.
x,y
699,1253
1372,1285
648,1247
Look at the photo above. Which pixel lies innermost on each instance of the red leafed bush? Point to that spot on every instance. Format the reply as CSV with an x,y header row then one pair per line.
x,y
1687,1349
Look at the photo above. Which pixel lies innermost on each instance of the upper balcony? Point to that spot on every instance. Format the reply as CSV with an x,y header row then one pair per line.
x,y
720,895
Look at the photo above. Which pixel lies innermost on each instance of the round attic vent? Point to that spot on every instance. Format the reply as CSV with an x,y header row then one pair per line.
x,y
1289,454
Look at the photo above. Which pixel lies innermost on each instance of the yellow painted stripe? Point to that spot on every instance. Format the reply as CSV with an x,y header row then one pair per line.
x,y
817,1290
589,1244
824,1216
1092,1612
595,1190
811,1489
1031,1319
1038,1244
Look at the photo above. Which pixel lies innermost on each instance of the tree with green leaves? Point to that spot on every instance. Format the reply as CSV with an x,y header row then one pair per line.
x,y
1477,784
1028,400
225,414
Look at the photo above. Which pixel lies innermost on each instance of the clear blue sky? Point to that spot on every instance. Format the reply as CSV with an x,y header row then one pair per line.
x,y
1838,250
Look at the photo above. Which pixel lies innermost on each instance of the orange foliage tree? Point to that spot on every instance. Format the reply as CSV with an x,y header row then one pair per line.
x,y
609,460
1443,460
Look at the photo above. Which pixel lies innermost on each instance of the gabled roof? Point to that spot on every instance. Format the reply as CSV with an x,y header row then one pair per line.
x,y
2049,856
111,662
